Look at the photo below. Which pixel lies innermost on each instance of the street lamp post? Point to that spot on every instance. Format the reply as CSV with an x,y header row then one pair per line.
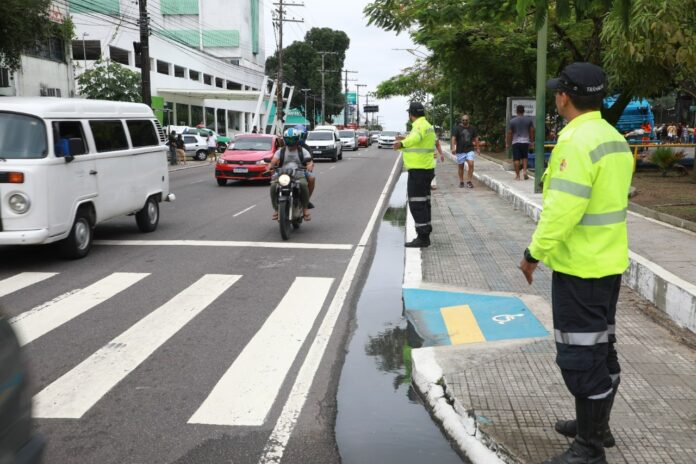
x,y
358,101
304,91
84,49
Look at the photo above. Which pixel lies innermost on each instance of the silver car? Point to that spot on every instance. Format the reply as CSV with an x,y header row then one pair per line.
x,y
195,146
349,139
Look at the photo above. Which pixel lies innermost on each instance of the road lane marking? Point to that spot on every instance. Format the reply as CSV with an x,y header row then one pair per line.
x,y
244,211
278,440
461,325
23,280
72,395
227,243
246,392
38,321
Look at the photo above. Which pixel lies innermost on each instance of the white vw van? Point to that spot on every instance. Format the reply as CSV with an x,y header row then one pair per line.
x,y
67,165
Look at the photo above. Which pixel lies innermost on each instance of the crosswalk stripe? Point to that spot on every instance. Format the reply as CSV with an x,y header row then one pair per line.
x,y
38,321
246,392
72,395
20,281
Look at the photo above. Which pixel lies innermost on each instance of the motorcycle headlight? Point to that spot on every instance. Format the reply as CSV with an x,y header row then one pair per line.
x,y
19,203
284,180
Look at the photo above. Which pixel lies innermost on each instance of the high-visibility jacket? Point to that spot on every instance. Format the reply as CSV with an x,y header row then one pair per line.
x,y
419,145
582,229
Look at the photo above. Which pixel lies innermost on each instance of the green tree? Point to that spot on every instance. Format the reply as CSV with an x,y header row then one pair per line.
x,y
110,81
302,62
23,23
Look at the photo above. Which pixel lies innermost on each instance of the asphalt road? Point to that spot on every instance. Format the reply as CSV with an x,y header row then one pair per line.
x,y
209,351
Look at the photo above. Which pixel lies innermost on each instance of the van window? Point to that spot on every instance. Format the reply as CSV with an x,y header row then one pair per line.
x,y
22,137
109,135
66,130
142,133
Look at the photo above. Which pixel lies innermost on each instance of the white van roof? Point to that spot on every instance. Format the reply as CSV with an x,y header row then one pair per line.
x,y
72,108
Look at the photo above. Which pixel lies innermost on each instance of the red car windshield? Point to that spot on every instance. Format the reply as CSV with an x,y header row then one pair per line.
x,y
253,144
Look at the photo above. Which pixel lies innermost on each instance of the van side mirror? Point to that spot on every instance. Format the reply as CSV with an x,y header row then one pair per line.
x,y
62,149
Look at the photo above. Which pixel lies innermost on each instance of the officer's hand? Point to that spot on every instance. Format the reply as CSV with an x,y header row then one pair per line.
x,y
528,269
397,146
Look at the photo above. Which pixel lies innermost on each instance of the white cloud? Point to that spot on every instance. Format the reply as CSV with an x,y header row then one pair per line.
x,y
371,49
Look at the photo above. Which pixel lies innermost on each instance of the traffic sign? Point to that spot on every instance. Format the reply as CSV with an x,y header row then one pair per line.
x,y
352,98
371,109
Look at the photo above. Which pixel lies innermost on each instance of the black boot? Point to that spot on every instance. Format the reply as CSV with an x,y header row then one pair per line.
x,y
421,241
569,428
592,416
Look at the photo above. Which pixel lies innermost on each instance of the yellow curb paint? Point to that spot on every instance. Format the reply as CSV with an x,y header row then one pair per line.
x,y
461,325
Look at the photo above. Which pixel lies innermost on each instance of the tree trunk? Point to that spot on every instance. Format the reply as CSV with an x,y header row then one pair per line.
x,y
612,115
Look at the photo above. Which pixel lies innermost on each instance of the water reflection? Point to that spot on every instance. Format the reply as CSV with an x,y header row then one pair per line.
x,y
396,216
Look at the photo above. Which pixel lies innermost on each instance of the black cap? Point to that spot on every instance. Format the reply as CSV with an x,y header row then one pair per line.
x,y
416,109
581,79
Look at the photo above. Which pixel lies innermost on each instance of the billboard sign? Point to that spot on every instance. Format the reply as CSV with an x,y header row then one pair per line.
x,y
371,109
352,98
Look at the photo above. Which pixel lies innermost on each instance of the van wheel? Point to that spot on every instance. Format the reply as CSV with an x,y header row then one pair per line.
x,y
148,217
79,242
201,155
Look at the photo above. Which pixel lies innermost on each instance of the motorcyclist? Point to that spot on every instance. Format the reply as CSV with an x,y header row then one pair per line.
x,y
292,156
311,176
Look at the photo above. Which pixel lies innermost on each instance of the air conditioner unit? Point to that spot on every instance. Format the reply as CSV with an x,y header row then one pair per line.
x,y
50,92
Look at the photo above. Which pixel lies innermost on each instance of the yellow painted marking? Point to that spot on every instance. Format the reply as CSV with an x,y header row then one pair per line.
x,y
461,325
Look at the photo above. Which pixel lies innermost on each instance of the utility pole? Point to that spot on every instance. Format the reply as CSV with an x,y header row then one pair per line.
x,y
358,100
145,54
540,132
305,91
345,107
323,87
279,20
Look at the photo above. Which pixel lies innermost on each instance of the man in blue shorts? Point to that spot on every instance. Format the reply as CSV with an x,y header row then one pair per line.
x,y
464,142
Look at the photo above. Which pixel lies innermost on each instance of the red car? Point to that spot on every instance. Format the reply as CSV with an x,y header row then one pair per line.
x,y
246,158
363,138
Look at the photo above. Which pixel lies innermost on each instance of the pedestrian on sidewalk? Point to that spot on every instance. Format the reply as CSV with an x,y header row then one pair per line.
x,y
464,141
180,150
438,152
212,148
417,151
172,148
582,236
520,135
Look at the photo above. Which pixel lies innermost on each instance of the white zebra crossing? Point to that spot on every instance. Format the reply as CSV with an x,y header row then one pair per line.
x,y
38,321
20,281
246,392
73,394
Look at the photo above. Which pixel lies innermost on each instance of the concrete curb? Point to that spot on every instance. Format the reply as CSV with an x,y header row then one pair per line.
x,y
189,167
662,217
671,294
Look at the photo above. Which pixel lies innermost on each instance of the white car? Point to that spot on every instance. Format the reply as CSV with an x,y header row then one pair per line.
x,y
387,139
324,144
349,139
195,146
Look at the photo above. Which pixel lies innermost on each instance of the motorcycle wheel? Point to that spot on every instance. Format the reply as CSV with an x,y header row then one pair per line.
x,y
284,220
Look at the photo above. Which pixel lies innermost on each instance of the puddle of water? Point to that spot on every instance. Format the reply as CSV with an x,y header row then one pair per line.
x,y
380,417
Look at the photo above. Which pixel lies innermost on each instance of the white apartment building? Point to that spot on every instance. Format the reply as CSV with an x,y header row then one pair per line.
x,y
206,56
46,69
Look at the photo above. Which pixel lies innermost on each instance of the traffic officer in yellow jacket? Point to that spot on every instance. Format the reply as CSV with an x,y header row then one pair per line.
x,y
582,237
417,151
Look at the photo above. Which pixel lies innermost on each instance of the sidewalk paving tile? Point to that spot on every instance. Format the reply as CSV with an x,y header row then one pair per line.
x,y
516,393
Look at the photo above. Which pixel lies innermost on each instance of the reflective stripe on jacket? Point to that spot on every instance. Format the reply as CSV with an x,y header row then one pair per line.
x,y
418,146
582,229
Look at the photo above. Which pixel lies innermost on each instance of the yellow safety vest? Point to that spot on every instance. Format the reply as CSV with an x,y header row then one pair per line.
x,y
582,229
419,145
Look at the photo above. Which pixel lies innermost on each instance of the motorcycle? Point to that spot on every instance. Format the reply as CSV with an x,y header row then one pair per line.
x,y
290,211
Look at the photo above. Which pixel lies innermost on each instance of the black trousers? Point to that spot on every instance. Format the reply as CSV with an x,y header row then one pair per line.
x,y
584,319
418,189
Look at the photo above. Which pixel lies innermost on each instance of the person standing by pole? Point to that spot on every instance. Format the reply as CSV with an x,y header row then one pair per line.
x,y
582,236
417,151
520,135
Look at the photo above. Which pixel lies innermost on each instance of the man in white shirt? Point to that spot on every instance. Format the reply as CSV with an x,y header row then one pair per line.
x,y
212,147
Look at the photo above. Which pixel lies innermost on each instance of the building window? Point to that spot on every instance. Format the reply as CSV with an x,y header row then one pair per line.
x,y
182,115
179,71
4,77
52,48
142,133
109,135
196,115
219,82
207,79
162,67
90,48
221,124
233,86
119,55
194,75
210,118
